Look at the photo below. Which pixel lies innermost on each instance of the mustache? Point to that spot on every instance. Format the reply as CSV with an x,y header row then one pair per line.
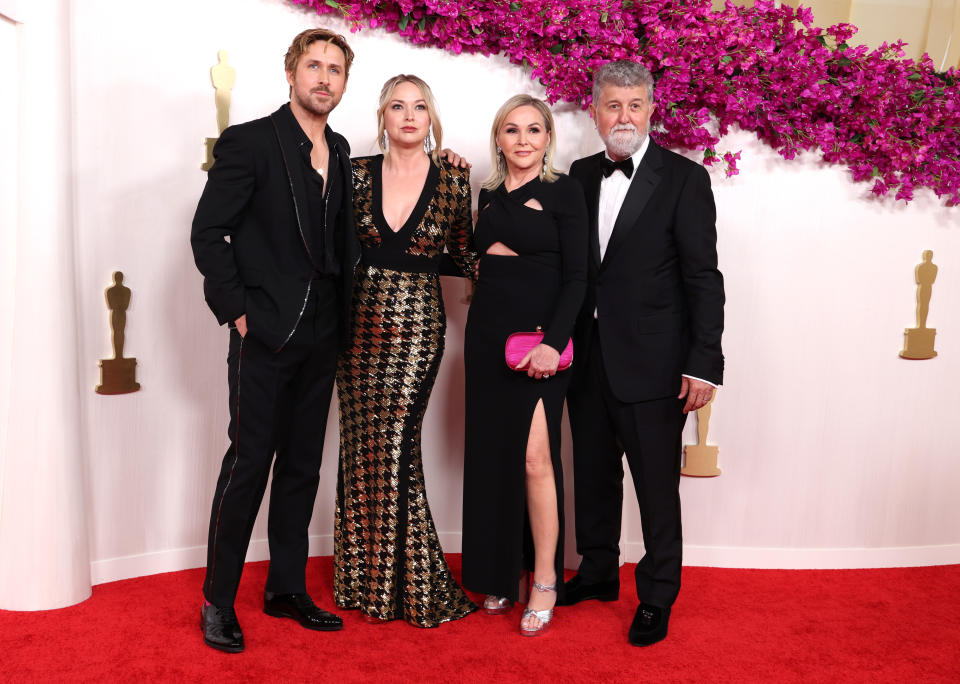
x,y
624,128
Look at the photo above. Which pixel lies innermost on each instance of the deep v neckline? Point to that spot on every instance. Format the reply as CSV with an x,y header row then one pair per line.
x,y
386,232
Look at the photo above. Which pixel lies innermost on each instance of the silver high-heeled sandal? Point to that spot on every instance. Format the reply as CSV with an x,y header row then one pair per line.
x,y
543,615
497,605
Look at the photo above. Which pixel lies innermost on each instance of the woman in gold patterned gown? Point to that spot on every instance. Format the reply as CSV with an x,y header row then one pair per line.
x,y
409,205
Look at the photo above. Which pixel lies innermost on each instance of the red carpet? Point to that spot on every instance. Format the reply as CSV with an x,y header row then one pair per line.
x,y
728,625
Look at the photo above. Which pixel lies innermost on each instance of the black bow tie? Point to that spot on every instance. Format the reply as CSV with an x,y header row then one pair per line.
x,y
610,166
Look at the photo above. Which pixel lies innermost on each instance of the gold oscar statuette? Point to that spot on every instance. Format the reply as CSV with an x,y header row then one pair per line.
x,y
223,77
918,342
118,375
701,458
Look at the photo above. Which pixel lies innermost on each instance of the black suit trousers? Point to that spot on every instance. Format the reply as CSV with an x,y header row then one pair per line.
x,y
278,406
649,432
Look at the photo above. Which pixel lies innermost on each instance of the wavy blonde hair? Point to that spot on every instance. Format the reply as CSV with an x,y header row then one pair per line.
x,y
498,173
386,93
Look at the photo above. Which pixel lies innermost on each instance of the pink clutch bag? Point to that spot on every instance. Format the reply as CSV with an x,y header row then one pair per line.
x,y
520,343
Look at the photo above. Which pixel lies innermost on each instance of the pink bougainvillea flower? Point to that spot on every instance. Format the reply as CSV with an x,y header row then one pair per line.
x,y
764,69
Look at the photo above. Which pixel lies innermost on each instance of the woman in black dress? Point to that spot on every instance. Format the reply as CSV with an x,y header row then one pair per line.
x,y
409,206
532,236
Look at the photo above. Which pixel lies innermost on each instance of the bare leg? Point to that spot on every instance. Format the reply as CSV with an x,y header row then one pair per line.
x,y
542,508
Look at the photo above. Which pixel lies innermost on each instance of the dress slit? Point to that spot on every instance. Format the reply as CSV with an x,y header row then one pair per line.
x,y
528,553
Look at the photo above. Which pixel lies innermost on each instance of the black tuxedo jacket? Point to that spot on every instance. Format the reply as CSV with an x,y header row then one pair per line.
x,y
256,196
658,292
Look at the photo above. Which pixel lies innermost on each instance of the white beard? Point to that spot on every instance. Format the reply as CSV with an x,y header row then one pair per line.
x,y
623,140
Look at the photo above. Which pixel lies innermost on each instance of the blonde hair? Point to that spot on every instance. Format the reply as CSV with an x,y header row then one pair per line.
x,y
386,94
303,40
498,173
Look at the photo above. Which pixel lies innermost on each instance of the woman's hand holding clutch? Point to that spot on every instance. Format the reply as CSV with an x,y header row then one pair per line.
x,y
541,361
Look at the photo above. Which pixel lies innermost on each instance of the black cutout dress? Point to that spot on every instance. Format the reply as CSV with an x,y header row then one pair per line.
x,y
542,286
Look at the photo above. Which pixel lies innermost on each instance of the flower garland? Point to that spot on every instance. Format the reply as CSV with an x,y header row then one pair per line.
x,y
766,69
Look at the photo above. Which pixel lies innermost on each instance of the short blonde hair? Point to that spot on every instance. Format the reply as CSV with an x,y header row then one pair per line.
x,y
386,94
499,171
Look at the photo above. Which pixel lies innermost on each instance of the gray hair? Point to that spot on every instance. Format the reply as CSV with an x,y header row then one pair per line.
x,y
624,74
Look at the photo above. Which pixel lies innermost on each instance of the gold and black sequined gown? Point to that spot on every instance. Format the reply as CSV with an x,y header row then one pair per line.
x,y
387,558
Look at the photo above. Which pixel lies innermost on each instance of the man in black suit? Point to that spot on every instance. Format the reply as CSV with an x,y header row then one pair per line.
x,y
647,341
273,237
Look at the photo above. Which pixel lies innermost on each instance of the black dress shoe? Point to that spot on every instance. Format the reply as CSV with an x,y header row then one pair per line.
x,y
576,590
220,628
649,625
300,607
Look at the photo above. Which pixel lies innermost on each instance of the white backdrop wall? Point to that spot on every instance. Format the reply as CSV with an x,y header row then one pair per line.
x,y
836,453
44,546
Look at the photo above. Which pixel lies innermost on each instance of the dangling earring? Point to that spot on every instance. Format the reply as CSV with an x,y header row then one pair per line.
x,y
428,143
385,143
499,160
546,163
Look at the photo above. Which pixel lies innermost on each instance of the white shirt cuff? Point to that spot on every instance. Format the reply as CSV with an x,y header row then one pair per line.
x,y
700,379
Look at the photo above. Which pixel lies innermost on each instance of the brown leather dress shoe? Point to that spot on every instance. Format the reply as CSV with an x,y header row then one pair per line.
x,y
300,607
220,628
649,625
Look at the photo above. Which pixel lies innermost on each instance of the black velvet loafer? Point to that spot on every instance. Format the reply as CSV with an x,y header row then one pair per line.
x,y
220,628
649,625
300,607
576,590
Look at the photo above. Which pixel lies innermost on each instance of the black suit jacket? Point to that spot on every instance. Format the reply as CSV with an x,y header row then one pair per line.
x,y
658,292
256,195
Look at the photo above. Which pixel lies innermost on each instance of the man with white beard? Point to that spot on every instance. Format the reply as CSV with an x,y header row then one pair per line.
x,y
647,344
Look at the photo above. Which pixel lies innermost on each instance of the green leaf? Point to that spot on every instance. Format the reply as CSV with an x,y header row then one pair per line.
x,y
875,172
514,6
477,30
709,152
857,138
422,24
843,61
402,24
557,48
914,77
917,95
938,92
822,41
333,3
604,17
627,4
726,59
842,46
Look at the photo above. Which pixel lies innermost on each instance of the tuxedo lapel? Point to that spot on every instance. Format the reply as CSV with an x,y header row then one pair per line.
x,y
645,181
288,134
592,191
